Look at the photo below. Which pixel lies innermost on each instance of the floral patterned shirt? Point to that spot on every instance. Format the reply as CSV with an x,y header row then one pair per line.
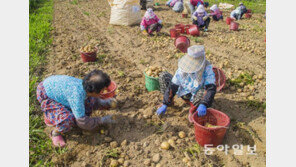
x,y
68,91
190,84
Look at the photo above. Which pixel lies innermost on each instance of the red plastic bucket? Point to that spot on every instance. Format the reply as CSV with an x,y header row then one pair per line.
x,y
184,15
193,30
181,26
186,28
220,78
182,43
89,57
233,26
111,91
228,20
178,30
210,135
174,33
248,15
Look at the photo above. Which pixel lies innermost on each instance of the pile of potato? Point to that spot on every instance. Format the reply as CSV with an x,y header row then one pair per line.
x,y
88,48
210,125
105,91
153,71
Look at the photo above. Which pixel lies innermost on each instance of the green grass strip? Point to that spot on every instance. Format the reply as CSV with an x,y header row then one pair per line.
x,y
40,26
257,6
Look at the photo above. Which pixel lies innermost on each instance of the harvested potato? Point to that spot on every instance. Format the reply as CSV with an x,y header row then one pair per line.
x,y
182,134
171,142
120,160
113,163
251,98
210,125
88,48
153,71
104,91
113,104
165,145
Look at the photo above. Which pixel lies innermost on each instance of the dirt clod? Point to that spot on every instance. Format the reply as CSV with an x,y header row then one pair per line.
x,y
113,144
147,162
120,160
108,139
123,143
156,158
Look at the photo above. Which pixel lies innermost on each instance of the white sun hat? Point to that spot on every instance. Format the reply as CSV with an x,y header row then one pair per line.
x,y
194,60
200,9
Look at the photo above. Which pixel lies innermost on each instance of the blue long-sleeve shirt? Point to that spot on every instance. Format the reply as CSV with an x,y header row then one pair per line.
x,y
68,91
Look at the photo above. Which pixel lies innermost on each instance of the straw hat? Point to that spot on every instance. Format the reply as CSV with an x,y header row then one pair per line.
x,y
200,9
240,3
194,60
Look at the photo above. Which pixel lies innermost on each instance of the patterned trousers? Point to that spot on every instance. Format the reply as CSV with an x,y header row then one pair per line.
x,y
56,114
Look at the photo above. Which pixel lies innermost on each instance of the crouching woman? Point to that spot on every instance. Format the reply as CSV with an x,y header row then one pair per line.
x,y
194,82
67,101
150,23
201,18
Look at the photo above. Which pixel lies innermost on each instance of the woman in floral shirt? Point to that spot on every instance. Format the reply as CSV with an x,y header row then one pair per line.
x,y
66,101
194,82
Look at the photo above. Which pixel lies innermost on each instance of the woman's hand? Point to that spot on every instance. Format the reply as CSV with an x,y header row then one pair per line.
x,y
110,102
194,17
201,110
205,18
144,32
107,120
161,110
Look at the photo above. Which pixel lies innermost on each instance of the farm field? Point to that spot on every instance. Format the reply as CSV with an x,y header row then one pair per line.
x,y
124,53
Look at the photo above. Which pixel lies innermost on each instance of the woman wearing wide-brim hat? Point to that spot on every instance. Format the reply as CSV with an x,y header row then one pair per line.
x,y
194,82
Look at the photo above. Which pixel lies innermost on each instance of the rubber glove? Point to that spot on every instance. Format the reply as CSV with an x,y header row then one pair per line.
x,y
144,32
194,17
205,18
162,109
201,110
107,120
108,102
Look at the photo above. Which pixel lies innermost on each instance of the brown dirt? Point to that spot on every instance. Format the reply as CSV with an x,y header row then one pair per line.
x,y
124,54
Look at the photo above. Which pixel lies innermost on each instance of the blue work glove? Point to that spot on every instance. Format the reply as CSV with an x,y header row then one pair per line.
x,y
201,110
162,109
107,120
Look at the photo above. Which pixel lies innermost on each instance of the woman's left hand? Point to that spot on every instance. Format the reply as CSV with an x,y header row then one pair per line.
x,y
205,18
201,110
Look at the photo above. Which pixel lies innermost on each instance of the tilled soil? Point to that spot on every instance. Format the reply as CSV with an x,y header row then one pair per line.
x,y
124,53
